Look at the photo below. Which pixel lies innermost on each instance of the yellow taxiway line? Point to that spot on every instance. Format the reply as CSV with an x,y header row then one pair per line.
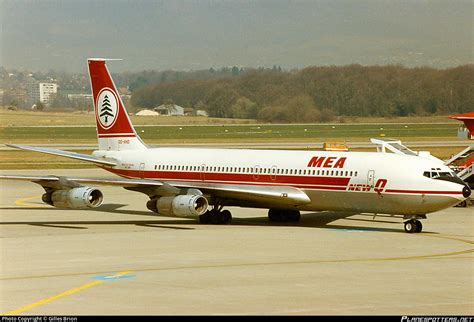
x,y
58,296
23,202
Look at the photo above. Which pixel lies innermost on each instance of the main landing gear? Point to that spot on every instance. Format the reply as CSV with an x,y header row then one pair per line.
x,y
413,226
216,216
284,215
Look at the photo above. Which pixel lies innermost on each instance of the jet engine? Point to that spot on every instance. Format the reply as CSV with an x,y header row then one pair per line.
x,y
179,206
76,198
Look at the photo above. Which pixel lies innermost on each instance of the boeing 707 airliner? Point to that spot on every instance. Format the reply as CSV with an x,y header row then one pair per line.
x,y
200,183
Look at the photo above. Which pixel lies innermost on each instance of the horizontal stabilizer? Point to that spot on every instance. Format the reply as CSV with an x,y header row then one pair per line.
x,y
58,182
66,154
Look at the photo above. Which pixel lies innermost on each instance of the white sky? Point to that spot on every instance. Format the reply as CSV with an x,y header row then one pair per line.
x,y
199,34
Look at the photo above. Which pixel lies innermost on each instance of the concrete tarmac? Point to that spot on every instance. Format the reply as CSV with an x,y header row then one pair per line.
x,y
120,259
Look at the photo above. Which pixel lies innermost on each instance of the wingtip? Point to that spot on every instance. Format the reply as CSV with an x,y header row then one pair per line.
x,y
15,146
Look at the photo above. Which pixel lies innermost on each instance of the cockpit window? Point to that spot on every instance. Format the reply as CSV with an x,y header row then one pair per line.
x,y
435,174
445,174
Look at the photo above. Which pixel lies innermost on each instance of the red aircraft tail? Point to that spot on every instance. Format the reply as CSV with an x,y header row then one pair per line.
x,y
114,128
468,119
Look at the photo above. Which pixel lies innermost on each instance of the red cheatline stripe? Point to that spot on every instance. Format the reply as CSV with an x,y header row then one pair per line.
x,y
426,192
238,178
305,182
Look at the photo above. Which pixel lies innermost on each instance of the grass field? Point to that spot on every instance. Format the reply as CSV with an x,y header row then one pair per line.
x,y
18,159
26,127
236,133
36,118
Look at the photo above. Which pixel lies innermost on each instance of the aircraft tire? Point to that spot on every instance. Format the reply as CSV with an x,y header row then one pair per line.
x,y
419,226
205,218
216,217
410,226
293,216
226,216
275,215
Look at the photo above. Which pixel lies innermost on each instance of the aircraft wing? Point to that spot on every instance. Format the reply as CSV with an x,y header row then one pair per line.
x,y
67,154
282,196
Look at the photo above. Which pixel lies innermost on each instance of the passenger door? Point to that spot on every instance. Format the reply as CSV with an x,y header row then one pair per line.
x,y
371,178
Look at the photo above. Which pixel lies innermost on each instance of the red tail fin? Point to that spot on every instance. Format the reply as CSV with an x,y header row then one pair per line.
x,y
114,128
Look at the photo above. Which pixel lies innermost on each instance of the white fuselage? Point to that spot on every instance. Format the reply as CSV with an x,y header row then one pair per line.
x,y
349,181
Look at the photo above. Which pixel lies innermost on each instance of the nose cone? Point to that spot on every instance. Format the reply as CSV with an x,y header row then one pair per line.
x,y
466,191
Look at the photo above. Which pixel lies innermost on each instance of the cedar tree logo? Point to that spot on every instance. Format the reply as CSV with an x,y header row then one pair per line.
x,y
107,108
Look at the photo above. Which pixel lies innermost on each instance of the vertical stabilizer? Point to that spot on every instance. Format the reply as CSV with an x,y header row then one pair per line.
x,y
115,131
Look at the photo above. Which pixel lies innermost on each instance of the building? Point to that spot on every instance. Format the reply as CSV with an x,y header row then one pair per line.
x,y
170,110
40,92
201,113
147,113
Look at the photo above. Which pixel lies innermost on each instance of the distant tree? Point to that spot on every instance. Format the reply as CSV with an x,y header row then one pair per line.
x,y
220,100
431,106
244,109
327,115
316,94
39,106
273,114
138,83
168,102
235,71
60,101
